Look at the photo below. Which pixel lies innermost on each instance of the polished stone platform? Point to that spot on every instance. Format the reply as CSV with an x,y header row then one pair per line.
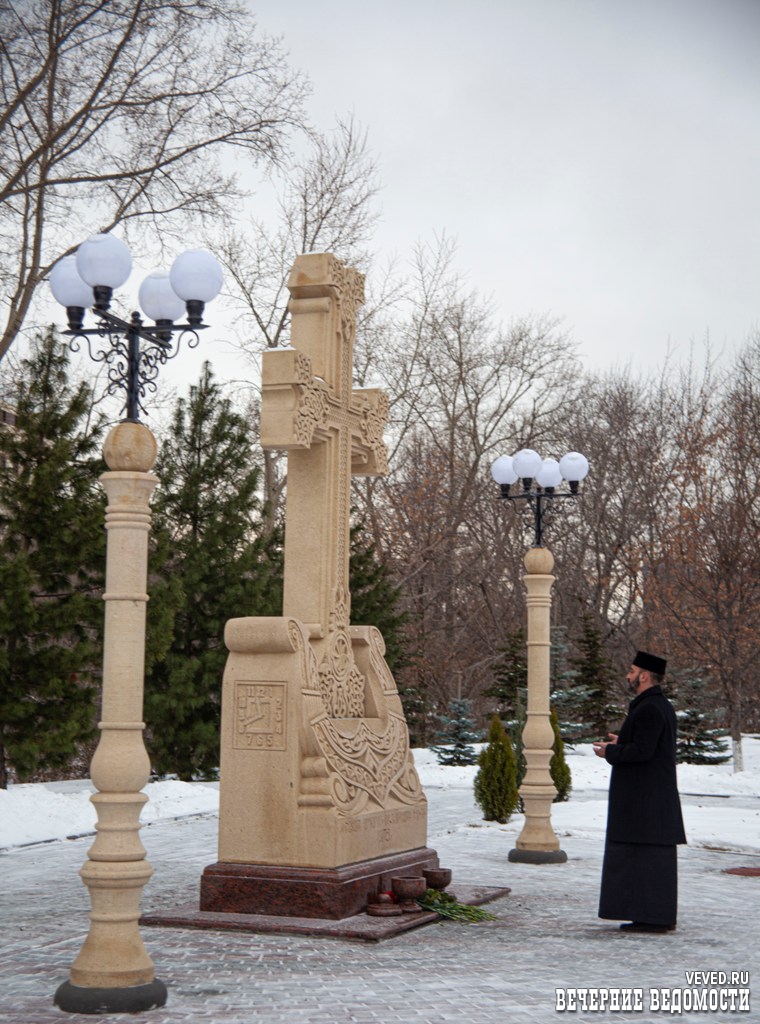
x,y
283,891
360,926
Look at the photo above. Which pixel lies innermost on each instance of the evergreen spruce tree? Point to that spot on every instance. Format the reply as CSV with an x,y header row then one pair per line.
x,y
560,673
590,703
375,599
511,673
414,700
516,730
413,682
559,769
52,560
216,566
455,735
496,780
699,740
561,681
558,766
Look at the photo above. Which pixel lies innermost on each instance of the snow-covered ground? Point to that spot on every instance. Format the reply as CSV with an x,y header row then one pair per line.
x,y
721,809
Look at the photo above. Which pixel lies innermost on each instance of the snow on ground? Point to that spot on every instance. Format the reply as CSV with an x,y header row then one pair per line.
x,y
39,812
721,809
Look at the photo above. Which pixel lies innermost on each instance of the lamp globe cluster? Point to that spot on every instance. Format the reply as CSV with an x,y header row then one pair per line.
x,y
103,263
527,465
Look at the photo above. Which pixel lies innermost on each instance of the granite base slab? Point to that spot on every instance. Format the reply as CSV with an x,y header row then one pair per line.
x,y
283,891
360,927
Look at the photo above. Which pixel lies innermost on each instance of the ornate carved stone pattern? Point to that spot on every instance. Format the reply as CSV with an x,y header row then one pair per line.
x,y
340,567
302,369
374,418
368,760
367,764
341,609
309,670
340,681
350,286
350,296
312,404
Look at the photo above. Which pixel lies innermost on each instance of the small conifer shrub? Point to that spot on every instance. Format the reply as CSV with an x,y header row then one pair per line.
x,y
496,781
559,769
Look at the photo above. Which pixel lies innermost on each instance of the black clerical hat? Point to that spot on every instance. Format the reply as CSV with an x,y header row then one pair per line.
x,y
650,663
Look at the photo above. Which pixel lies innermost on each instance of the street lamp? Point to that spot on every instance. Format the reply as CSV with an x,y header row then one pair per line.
x,y
113,972
539,479
88,279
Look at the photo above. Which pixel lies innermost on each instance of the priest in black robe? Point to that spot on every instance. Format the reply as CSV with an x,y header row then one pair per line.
x,y
644,822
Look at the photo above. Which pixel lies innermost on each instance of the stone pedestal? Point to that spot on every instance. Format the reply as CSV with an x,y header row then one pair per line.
x,y
538,843
331,894
316,813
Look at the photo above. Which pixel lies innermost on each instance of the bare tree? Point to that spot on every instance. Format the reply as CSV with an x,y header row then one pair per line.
x,y
463,389
325,203
704,585
117,112
625,426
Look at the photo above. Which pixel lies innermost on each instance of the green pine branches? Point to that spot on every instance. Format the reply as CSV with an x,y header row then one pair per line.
x,y
496,781
212,561
52,557
455,736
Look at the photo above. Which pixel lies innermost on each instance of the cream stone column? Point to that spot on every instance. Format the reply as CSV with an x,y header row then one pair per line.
x,y
537,843
113,972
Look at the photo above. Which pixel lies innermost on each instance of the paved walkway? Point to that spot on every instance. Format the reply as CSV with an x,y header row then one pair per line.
x,y
546,936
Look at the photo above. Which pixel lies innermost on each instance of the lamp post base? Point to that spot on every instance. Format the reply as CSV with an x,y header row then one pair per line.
x,y
537,856
132,999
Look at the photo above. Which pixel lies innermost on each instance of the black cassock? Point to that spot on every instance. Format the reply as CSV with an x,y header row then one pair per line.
x,y
644,822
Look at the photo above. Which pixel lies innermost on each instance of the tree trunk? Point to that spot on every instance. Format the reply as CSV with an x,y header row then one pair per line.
x,y
735,717
738,752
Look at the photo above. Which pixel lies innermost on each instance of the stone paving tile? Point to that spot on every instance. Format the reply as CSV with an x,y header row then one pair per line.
x,y
546,936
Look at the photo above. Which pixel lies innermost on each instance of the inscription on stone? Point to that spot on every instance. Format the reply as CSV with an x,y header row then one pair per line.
x,y
382,824
259,716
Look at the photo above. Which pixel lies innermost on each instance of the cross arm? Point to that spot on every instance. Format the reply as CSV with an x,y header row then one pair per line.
x,y
294,403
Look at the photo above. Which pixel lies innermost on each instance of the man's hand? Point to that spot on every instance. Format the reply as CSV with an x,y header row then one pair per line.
x,y
601,745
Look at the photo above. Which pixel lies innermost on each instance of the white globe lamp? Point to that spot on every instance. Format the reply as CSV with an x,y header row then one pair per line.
x,y
503,471
196,276
158,300
550,475
67,286
103,261
527,463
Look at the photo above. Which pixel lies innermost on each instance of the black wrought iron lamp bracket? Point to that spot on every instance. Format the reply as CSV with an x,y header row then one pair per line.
x,y
538,501
132,368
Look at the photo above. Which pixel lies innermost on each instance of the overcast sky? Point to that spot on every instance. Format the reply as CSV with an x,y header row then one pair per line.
x,y
598,160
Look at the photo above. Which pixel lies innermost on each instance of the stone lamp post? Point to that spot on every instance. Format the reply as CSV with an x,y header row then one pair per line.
x,y
113,972
539,478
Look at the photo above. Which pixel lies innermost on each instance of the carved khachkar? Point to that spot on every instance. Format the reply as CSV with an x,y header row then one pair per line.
x,y
316,770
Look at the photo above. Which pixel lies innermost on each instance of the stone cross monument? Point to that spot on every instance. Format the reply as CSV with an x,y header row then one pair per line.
x,y
320,800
